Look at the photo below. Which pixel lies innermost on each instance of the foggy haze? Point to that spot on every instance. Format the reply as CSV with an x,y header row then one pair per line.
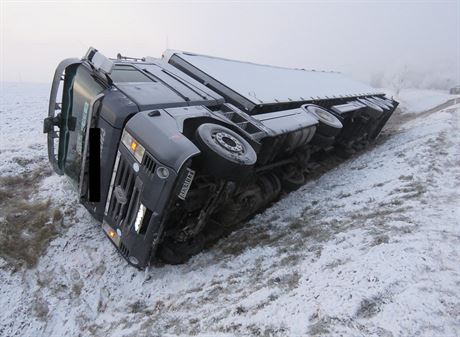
x,y
375,41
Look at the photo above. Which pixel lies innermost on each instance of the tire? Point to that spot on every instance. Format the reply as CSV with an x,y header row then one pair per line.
x,y
173,252
226,154
292,180
329,125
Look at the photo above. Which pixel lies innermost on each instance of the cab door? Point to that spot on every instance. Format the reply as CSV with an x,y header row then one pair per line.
x,y
66,144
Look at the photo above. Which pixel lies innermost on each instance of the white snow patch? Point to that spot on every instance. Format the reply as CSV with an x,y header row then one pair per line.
x,y
418,100
370,248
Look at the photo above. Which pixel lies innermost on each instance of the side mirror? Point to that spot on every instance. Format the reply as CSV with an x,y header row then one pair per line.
x,y
48,124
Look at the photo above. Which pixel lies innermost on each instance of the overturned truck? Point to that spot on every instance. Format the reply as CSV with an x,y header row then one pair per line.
x,y
168,153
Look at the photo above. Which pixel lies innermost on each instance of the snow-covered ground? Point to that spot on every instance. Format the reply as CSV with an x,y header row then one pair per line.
x,y
371,248
419,100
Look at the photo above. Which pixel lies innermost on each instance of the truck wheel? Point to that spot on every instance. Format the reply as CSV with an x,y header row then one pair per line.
x,y
173,252
329,125
226,154
292,179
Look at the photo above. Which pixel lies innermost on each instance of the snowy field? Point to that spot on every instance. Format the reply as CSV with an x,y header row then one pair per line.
x,y
371,248
419,100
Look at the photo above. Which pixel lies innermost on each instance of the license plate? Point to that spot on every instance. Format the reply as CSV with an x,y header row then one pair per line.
x,y
187,183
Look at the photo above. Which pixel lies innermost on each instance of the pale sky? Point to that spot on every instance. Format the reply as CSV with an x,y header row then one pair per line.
x,y
360,38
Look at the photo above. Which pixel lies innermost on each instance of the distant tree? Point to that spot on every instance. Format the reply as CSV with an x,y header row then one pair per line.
x,y
400,79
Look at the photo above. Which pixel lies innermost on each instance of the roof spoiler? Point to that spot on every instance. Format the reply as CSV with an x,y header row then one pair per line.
x,y
98,61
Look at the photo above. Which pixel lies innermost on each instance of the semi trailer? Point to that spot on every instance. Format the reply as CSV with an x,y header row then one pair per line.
x,y
166,152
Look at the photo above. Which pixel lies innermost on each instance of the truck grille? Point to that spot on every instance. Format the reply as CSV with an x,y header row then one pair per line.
x,y
122,192
124,250
149,164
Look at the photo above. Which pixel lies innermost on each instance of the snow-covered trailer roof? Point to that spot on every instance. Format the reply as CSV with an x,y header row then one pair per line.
x,y
251,84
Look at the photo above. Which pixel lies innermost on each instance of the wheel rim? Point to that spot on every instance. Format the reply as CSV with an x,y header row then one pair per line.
x,y
228,142
326,116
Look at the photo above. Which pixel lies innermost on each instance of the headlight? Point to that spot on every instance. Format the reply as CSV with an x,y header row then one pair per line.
x,y
139,218
133,146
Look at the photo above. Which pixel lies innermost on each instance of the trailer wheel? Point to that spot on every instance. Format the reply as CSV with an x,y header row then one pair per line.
x,y
329,125
226,154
